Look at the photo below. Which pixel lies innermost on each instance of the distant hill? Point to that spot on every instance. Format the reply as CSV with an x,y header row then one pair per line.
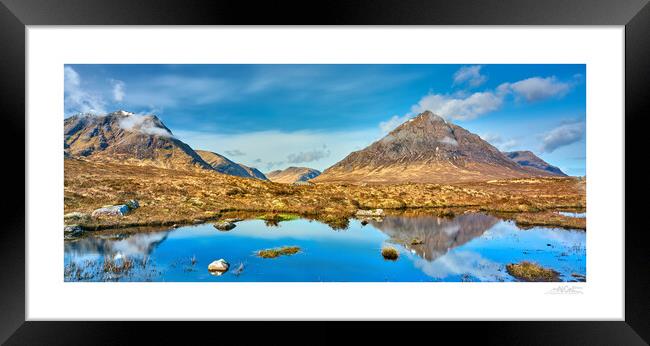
x,y
530,160
126,137
254,172
223,165
426,149
292,175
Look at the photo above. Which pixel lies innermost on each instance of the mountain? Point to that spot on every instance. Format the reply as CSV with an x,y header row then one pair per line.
x,y
292,175
223,165
530,160
127,137
426,149
254,172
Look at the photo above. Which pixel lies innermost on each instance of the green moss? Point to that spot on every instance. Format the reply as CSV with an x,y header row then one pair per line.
x,y
279,217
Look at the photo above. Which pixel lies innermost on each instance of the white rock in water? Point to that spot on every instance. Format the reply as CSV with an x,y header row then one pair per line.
x,y
113,210
376,212
218,266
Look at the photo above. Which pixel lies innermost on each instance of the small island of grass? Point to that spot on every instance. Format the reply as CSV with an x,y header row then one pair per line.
x,y
528,271
276,252
389,253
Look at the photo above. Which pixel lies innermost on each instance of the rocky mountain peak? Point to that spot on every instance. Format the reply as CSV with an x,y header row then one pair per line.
x,y
426,148
126,136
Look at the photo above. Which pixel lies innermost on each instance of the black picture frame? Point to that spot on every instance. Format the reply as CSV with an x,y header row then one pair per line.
x,y
15,15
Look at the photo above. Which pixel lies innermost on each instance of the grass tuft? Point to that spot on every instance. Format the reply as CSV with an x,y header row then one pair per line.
x,y
528,271
276,252
389,253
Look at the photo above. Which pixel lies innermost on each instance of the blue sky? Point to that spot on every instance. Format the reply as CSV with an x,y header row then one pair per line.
x,y
275,116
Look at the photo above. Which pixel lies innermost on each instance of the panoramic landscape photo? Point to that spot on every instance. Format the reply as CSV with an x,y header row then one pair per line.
x,y
324,173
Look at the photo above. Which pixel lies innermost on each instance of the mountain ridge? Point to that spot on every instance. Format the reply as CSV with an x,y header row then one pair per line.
x,y
126,137
427,149
224,165
527,158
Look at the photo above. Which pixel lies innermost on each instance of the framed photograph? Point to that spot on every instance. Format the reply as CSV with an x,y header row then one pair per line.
x,y
382,161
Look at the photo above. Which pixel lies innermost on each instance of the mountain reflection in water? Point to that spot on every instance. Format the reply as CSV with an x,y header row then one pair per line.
x,y
437,235
468,247
135,245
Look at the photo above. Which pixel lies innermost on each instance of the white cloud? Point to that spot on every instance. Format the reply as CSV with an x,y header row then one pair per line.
x,y
144,124
538,88
563,135
499,142
470,75
118,90
235,152
395,121
274,146
459,107
308,156
176,90
78,100
318,81
467,106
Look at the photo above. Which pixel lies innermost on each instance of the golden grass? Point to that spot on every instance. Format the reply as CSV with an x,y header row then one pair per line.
x,y
277,252
549,219
528,271
389,253
117,267
169,196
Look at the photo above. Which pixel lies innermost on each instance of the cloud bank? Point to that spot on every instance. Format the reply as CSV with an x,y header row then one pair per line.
x,y
308,156
458,107
538,88
272,147
563,135
78,100
471,75
144,124
499,142
235,152
468,106
118,90
395,121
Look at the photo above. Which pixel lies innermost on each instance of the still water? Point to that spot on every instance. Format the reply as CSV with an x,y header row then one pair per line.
x,y
469,247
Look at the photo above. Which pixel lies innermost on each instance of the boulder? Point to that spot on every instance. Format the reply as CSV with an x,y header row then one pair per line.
x,y
72,231
75,216
371,212
302,183
224,225
132,204
219,266
111,210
